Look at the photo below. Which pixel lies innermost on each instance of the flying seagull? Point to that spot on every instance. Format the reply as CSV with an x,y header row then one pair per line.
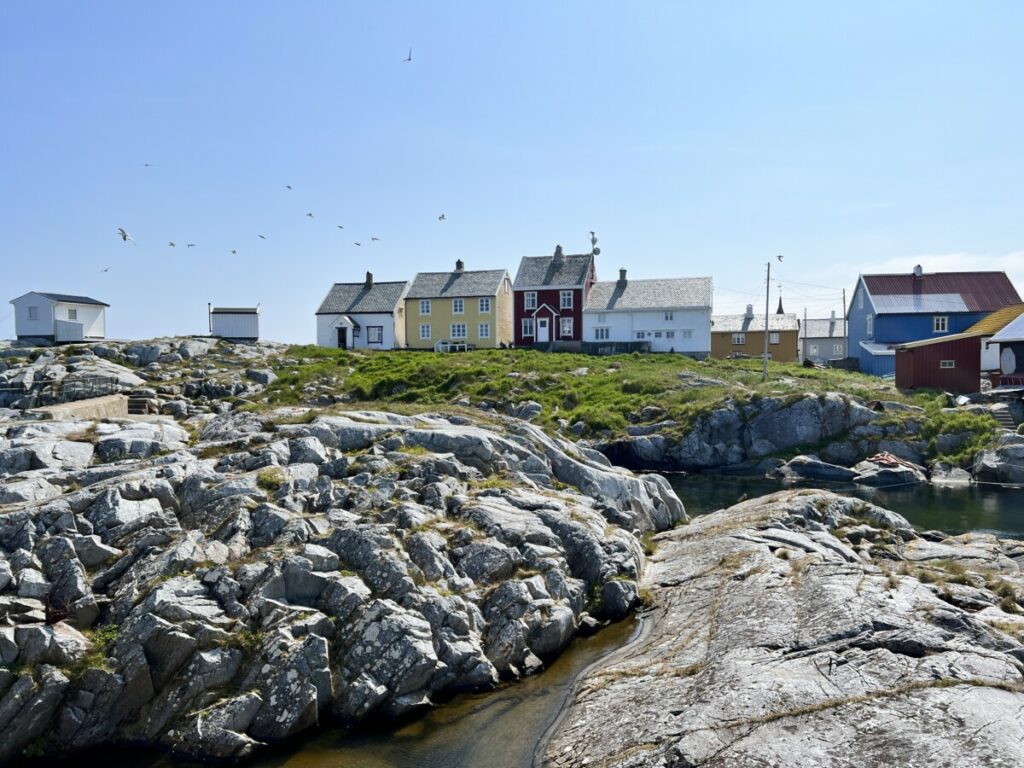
x,y
374,239
442,217
287,186
409,57
190,245
357,244
147,165
779,257
105,269
310,215
234,252
340,227
124,235
263,237
172,244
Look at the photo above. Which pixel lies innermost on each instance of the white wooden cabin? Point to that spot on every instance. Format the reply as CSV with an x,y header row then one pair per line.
x,y
59,317
364,315
235,323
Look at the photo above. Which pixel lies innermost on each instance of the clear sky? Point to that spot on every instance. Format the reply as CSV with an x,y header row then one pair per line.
x,y
695,138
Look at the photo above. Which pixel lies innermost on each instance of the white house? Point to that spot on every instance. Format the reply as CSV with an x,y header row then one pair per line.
x,y
59,317
235,323
364,315
670,314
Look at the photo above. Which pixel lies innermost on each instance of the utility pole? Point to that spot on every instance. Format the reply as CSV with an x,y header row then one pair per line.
x,y
767,289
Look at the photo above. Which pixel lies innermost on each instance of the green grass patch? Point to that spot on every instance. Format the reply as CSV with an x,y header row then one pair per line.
x,y
270,479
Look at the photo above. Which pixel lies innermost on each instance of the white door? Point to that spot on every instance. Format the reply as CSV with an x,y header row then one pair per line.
x,y
542,330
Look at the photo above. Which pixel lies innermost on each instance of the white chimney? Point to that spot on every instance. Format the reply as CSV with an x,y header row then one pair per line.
x,y
750,312
918,271
833,315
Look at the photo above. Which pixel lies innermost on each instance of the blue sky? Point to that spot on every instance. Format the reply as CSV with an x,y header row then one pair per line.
x,y
695,138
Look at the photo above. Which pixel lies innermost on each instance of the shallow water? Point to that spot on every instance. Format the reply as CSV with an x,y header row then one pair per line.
x,y
985,508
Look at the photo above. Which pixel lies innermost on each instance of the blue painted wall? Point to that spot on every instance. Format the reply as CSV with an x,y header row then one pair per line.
x,y
894,329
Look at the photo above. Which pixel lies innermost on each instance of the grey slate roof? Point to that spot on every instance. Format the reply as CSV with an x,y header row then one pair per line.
x,y
72,299
356,297
664,293
821,328
446,285
543,271
743,324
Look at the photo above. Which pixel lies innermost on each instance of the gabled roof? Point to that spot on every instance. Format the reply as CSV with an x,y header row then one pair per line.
x,y
744,324
663,293
356,298
940,292
70,299
821,328
458,284
543,271
987,326
1012,331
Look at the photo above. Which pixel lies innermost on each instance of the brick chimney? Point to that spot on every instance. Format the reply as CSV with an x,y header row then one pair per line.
x,y
459,266
369,280
622,275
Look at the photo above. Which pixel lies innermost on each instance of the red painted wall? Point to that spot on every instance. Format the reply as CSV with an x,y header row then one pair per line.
x,y
551,298
919,368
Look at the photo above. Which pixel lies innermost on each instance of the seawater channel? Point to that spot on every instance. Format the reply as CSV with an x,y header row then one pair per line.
x,y
501,728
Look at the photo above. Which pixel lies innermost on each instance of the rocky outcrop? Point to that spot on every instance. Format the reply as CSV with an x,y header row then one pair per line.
x,y
212,598
806,628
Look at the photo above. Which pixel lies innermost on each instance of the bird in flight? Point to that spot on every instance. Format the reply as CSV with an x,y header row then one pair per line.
x,y
409,57
147,165
374,239
310,215
442,217
287,186
340,227
234,252
125,237
105,269
190,245
263,237
172,243
357,244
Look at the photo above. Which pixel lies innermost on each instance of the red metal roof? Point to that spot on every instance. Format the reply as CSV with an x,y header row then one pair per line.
x,y
981,291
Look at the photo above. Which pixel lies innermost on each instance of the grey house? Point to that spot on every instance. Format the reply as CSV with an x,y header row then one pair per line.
x,y
823,339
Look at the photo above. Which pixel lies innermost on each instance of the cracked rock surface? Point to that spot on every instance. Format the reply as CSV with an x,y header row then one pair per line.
x,y
810,629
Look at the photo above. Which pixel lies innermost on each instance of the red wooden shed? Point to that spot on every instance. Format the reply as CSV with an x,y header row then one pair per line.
x,y
952,363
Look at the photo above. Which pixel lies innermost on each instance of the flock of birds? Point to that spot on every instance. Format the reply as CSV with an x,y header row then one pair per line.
x,y
127,238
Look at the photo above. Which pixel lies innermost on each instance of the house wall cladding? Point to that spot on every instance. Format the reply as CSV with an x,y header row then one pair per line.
x,y
235,326
921,367
786,351
327,330
553,298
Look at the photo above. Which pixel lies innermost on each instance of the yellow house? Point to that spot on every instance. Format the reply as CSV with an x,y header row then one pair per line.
x,y
744,335
459,307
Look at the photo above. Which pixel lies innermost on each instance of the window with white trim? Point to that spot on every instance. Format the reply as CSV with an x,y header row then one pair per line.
x,y
812,349
375,334
72,314
860,300
601,334
565,327
940,324
641,334
869,325
458,307
483,331
837,349
601,317
687,333
670,334
424,306
657,334
33,313
458,330
947,363
739,339
565,299
425,332
669,317
485,306
527,326
773,337
530,300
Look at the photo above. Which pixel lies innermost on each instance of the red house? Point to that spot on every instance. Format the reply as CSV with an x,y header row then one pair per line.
x,y
549,293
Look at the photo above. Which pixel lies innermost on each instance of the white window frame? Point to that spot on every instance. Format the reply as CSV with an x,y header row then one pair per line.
x,y
72,313
528,328
530,300
33,312
773,337
739,339
601,334
426,332
375,331
657,334
946,364
940,324
837,349
860,300
565,299
601,317
459,331
483,331
812,349
669,317
869,325
458,307
687,333
641,335
424,306
485,306
565,327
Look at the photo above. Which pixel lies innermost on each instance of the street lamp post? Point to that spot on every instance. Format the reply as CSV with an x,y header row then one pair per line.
x,y
767,289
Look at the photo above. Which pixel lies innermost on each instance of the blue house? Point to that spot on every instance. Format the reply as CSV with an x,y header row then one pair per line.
x,y
887,310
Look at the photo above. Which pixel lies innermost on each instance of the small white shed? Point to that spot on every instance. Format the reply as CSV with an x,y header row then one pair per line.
x,y
59,317
235,323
